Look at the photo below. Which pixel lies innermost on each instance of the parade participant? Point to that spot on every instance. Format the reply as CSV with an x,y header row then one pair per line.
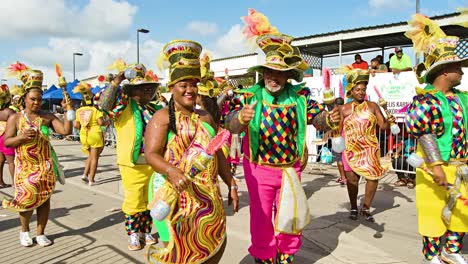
x,y
36,164
361,157
274,114
176,136
89,121
7,154
438,118
207,98
130,108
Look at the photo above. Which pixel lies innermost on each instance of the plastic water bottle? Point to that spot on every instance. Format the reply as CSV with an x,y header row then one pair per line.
x,y
160,210
71,115
130,73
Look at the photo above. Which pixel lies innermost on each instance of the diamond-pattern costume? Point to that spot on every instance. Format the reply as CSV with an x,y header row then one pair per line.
x,y
446,117
273,144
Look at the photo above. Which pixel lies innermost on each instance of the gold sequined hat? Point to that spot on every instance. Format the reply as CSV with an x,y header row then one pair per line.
x,y
84,89
281,55
353,77
439,49
208,86
183,57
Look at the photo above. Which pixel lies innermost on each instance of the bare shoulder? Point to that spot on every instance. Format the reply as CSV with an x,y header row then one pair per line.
x,y
161,116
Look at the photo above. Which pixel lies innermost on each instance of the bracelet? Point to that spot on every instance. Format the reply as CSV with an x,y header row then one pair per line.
x,y
239,117
234,187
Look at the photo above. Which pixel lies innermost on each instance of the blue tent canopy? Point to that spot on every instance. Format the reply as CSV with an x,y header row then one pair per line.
x,y
55,95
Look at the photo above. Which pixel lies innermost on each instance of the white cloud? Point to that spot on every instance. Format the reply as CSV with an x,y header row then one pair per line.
x,y
97,56
233,43
101,19
202,28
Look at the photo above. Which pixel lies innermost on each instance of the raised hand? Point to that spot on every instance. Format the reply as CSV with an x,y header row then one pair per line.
x,y
247,113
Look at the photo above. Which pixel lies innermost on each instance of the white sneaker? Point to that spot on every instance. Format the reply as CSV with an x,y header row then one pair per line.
x,y
42,240
149,239
25,240
134,242
452,258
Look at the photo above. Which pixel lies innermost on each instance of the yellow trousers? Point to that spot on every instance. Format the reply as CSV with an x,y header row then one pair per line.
x,y
135,181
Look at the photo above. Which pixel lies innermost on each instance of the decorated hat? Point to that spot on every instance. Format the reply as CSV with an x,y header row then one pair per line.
x,y
439,49
280,54
208,86
182,57
84,89
353,77
32,79
137,75
5,96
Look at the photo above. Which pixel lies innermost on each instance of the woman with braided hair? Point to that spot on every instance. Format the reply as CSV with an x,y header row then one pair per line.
x,y
36,164
175,136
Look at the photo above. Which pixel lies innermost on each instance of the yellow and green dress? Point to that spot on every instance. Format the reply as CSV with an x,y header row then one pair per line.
x,y
197,222
446,117
36,168
90,132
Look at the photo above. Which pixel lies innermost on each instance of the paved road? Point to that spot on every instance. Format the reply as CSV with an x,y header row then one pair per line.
x,y
86,223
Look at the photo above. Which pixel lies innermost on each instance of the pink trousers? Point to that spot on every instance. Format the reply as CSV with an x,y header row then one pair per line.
x,y
264,185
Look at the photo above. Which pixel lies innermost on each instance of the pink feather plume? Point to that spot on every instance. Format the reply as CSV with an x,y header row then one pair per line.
x,y
326,74
377,92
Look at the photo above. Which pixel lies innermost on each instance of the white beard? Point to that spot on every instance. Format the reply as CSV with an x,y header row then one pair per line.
x,y
274,90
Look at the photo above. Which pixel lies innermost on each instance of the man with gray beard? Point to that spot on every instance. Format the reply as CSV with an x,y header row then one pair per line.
x,y
275,114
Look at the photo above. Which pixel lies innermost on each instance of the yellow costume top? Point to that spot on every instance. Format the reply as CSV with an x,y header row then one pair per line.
x,y
90,132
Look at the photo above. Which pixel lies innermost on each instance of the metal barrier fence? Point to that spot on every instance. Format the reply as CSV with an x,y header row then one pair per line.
x,y
398,147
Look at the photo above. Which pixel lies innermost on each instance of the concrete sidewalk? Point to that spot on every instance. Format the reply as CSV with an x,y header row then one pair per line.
x,y
330,238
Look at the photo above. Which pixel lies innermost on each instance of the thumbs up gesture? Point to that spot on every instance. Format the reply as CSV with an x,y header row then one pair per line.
x,y
247,113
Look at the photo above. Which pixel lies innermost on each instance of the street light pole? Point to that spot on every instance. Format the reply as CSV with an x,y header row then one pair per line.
x,y
140,30
75,54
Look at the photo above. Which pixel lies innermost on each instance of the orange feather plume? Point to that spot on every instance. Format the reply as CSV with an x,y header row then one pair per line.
x,y
58,70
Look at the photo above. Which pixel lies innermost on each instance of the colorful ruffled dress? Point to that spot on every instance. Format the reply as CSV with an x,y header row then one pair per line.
x,y
36,168
446,117
362,153
197,223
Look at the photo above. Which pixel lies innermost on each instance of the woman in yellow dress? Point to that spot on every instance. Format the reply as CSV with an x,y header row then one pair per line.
x,y
89,121
361,157
36,164
175,137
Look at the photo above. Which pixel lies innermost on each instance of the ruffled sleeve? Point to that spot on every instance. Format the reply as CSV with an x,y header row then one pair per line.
x,y
424,116
313,107
121,101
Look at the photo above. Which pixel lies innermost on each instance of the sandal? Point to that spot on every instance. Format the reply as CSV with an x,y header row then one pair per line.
x,y
400,183
368,216
341,181
353,214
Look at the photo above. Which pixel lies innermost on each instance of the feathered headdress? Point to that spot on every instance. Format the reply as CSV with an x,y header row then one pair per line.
x,y
16,69
439,49
5,96
256,24
280,54
208,86
423,32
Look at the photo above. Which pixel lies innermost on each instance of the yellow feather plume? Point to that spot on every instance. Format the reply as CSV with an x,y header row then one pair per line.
x,y
162,62
464,16
119,65
423,32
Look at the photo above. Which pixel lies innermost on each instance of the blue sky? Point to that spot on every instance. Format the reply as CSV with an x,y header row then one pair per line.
x,y
42,32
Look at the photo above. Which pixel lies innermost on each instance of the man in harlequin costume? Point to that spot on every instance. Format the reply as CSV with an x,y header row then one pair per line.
x,y
438,117
130,107
274,114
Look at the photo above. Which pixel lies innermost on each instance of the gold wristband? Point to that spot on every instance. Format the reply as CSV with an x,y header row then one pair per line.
x,y
239,117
